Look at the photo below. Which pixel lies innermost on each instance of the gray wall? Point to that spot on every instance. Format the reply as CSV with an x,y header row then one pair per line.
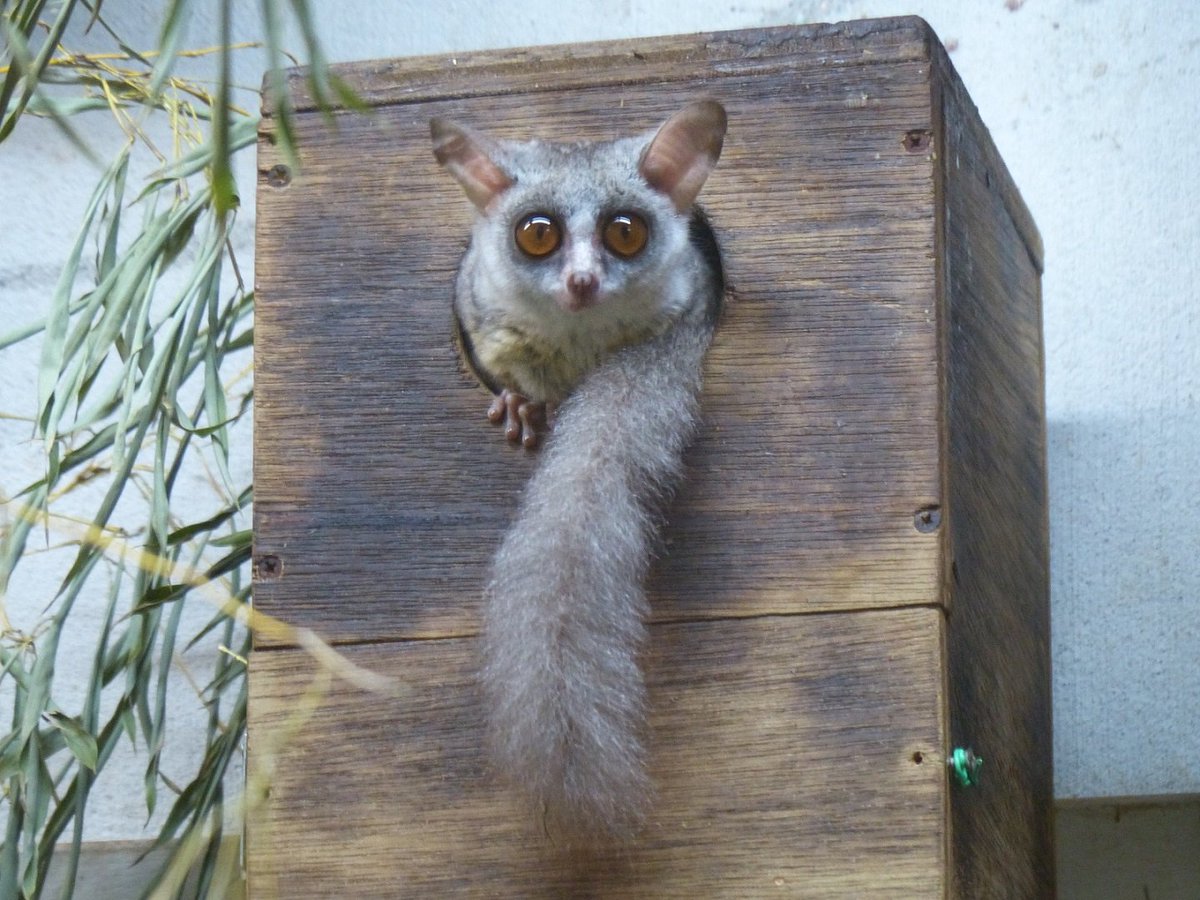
x,y
1095,106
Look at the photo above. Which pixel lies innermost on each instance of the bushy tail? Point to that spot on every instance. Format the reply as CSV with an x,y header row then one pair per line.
x,y
565,606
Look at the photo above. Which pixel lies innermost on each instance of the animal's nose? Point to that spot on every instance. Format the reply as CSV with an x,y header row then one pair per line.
x,y
582,284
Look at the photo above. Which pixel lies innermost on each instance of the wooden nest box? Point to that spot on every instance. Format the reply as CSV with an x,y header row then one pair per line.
x,y
856,573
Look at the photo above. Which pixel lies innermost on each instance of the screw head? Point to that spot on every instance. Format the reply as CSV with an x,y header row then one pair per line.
x,y
917,140
279,176
267,567
928,519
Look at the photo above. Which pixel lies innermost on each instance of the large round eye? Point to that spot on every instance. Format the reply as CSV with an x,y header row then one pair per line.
x,y
625,234
538,235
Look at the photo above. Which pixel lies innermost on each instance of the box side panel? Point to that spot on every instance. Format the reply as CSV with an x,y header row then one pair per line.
x,y
997,575
380,489
793,756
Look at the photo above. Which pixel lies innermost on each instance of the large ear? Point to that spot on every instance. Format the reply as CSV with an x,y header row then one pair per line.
x,y
463,153
683,152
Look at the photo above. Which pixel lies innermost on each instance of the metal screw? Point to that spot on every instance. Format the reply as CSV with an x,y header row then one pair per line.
x,y
917,140
279,176
267,568
927,520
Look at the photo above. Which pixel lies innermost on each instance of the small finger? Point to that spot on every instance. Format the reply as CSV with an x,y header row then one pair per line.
x,y
530,415
495,412
513,426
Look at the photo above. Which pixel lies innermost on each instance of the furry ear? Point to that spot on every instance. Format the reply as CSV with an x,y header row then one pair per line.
x,y
685,149
463,152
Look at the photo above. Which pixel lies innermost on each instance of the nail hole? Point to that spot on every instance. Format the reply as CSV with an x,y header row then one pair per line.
x,y
918,757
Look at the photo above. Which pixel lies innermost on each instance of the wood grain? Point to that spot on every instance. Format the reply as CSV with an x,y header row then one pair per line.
x,y
611,64
382,489
998,631
782,750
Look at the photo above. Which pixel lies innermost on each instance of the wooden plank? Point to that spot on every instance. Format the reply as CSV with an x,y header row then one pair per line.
x,y
625,62
784,750
380,490
998,559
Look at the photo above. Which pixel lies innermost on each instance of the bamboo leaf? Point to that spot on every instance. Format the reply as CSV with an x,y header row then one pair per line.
x,y
117,361
30,70
241,539
218,620
10,755
23,22
159,499
63,107
223,188
109,254
38,788
347,96
318,70
53,344
230,561
79,741
242,133
170,39
163,593
211,524
278,98
25,332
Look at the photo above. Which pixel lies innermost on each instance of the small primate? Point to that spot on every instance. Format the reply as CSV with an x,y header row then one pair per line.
x,y
589,294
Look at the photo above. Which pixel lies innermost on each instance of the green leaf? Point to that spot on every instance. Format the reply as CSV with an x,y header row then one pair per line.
x,y
237,539
229,562
242,133
347,96
223,188
61,308
170,39
80,742
10,755
164,593
63,107
188,532
24,69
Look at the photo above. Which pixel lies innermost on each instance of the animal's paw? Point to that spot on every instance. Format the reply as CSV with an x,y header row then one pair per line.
x,y
523,419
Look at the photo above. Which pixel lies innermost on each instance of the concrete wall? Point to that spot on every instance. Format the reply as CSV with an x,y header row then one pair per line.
x,y
1095,107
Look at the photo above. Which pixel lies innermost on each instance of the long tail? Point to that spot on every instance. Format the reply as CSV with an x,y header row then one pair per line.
x,y
566,608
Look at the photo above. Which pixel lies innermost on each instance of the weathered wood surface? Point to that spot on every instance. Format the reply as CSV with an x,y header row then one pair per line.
x,y
383,491
998,541
614,65
881,357
783,748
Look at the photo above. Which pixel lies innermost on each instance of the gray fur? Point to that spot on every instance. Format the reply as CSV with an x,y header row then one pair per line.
x,y
501,292
564,620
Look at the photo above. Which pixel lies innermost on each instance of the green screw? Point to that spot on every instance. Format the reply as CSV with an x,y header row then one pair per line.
x,y
965,765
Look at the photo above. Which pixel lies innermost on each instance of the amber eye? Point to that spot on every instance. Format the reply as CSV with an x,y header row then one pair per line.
x,y
625,234
538,235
